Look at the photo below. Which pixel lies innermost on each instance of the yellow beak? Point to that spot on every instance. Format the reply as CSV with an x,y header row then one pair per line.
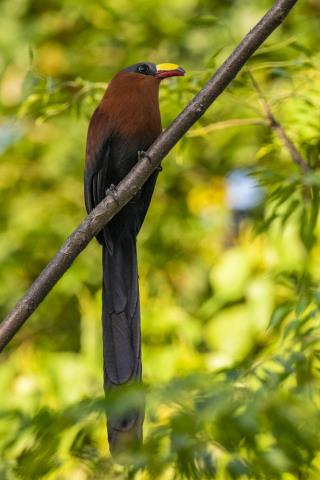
x,y
165,70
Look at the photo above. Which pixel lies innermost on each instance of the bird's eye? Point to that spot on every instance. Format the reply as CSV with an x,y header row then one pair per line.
x,y
144,69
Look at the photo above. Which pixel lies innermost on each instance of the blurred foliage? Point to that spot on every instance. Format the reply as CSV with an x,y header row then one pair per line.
x,y
230,297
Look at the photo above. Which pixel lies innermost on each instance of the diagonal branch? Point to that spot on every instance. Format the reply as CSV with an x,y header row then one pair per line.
x,y
127,188
277,127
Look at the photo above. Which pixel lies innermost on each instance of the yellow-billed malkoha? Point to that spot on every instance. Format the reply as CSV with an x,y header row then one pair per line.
x,y
126,122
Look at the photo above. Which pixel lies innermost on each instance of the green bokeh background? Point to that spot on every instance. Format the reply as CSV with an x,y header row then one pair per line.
x,y
230,320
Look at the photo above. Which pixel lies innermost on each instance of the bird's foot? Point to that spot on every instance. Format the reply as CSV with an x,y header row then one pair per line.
x,y
142,154
113,192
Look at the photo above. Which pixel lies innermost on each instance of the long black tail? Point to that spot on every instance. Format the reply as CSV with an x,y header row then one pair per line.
x,y
121,335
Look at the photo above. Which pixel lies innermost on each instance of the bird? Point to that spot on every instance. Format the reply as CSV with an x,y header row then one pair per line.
x,y
122,128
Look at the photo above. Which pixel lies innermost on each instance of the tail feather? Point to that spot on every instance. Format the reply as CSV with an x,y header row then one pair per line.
x,y
121,335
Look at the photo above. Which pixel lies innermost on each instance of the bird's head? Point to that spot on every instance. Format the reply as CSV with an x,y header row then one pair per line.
x,y
161,71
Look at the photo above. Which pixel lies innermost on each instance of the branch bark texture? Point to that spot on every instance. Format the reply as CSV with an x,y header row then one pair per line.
x,y
129,186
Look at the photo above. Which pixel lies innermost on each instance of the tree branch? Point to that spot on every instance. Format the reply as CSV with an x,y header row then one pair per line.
x,y
276,126
128,187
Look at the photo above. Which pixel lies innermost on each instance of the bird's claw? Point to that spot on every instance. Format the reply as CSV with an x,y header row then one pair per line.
x,y
142,154
113,192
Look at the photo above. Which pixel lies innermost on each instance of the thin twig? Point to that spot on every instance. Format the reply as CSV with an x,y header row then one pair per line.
x,y
278,128
233,122
129,186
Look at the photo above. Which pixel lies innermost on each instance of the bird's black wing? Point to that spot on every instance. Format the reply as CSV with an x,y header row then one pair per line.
x,y
96,166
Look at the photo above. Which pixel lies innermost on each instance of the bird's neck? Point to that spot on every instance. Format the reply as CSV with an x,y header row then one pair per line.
x,y
133,103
